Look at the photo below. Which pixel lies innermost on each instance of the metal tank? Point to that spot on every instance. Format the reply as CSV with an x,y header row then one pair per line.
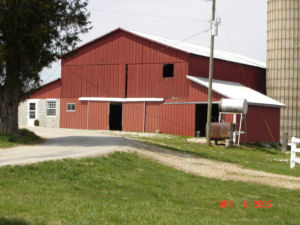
x,y
233,106
283,61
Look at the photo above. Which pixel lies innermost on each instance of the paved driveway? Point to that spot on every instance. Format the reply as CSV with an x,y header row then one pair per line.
x,y
64,143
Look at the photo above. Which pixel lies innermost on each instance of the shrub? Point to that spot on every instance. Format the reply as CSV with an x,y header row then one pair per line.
x,y
36,123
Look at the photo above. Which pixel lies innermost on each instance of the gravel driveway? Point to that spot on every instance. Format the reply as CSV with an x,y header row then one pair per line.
x,y
68,143
63,143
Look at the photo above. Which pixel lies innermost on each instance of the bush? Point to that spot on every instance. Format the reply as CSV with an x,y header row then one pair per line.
x,y
24,137
36,123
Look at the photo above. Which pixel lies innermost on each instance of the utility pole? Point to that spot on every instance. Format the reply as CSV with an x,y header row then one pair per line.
x,y
214,25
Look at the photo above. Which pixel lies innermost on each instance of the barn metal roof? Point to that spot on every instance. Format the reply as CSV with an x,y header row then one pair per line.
x,y
237,91
202,51
188,48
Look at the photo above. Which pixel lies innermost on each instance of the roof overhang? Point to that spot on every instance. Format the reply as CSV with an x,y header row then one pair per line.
x,y
103,99
236,90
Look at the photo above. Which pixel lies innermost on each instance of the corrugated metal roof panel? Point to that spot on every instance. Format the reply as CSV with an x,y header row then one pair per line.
x,y
237,91
202,51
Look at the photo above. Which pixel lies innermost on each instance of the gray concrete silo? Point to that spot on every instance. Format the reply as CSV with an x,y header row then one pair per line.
x,y
283,61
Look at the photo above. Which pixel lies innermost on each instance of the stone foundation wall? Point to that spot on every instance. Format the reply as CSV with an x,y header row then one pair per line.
x,y
45,121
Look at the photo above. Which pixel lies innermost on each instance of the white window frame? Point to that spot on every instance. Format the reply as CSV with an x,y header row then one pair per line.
x,y
71,104
51,100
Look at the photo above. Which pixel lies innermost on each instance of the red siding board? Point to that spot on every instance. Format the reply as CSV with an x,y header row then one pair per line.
x,y
93,81
98,116
262,124
146,80
172,119
133,116
177,119
144,56
51,90
77,119
152,116
71,81
196,93
250,76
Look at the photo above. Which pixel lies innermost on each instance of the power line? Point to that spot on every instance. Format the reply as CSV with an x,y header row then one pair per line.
x,y
149,15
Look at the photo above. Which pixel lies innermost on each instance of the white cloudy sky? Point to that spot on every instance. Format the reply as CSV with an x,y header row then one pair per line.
x,y
243,23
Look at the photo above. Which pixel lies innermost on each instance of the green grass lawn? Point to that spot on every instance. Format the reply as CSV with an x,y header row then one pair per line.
x,y
25,137
253,157
127,189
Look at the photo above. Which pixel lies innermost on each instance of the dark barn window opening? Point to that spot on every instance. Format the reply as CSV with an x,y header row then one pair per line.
x,y
201,117
168,70
71,107
115,116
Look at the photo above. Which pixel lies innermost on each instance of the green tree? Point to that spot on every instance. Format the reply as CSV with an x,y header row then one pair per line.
x,y
33,33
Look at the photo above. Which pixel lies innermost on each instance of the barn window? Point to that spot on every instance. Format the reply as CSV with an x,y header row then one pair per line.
x,y
71,107
168,70
51,108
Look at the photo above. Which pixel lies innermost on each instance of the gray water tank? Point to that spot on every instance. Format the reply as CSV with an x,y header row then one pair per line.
x,y
233,106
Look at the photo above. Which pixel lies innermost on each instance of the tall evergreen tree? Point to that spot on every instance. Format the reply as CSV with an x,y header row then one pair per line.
x,y
33,33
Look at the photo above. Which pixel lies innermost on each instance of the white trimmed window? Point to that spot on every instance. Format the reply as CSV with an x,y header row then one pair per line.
x,y
71,107
51,108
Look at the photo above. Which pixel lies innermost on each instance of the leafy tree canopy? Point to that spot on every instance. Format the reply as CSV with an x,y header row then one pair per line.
x,y
33,33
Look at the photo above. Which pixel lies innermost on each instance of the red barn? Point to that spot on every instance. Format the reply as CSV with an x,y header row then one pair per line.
x,y
131,81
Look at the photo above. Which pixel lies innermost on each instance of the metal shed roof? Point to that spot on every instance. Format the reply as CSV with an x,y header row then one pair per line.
x,y
237,91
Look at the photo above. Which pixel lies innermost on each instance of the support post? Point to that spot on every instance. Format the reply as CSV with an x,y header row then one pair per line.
x,y
285,142
211,66
240,129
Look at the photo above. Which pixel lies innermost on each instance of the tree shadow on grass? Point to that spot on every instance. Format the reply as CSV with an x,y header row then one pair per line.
x,y
13,221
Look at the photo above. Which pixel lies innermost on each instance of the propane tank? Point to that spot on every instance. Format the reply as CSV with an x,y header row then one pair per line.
x,y
233,105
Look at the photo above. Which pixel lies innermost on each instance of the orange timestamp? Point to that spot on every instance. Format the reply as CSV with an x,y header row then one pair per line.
x,y
257,204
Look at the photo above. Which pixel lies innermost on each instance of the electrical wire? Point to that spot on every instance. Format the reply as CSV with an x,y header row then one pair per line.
x,y
149,15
